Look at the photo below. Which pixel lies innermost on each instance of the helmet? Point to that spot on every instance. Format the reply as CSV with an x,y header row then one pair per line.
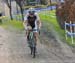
x,y
31,11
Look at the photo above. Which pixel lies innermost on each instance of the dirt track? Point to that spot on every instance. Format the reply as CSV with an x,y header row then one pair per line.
x,y
14,49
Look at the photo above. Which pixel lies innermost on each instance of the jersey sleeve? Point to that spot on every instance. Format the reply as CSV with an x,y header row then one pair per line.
x,y
25,18
38,18
25,21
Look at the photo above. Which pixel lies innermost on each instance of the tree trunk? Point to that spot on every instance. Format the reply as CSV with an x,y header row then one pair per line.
x,y
50,4
10,11
11,14
22,13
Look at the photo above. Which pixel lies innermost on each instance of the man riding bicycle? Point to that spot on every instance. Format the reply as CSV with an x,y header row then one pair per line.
x,y
32,21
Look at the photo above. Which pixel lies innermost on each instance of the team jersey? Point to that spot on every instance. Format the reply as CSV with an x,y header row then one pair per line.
x,y
32,20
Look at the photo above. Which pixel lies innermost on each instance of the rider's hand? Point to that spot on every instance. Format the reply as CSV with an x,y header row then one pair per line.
x,y
39,27
29,28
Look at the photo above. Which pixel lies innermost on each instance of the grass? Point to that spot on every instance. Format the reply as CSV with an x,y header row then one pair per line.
x,y
49,16
17,25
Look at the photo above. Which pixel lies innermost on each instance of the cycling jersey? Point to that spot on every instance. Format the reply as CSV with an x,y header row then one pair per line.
x,y
32,21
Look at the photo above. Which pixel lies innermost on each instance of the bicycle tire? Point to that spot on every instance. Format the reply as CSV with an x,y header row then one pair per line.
x,y
34,52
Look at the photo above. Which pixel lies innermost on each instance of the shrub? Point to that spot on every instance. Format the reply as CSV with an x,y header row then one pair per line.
x,y
65,12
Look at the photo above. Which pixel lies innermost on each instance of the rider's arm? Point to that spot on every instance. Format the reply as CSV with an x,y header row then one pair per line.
x,y
39,22
25,22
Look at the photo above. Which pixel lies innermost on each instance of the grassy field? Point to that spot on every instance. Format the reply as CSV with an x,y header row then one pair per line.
x,y
50,17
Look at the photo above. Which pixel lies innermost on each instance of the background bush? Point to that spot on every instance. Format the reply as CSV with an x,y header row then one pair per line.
x,y
65,12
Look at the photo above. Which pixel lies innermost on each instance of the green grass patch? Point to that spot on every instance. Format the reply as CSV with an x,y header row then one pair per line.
x,y
18,25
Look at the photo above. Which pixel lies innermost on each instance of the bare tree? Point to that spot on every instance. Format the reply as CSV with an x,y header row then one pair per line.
x,y
8,2
21,4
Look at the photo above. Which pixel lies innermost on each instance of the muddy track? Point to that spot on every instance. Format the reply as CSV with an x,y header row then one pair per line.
x,y
14,49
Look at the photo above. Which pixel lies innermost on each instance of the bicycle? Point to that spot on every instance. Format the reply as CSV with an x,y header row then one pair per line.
x,y
32,43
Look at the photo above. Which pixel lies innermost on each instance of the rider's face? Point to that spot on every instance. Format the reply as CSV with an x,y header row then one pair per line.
x,y
31,15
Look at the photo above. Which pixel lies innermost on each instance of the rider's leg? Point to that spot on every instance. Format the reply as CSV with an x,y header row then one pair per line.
x,y
36,36
27,34
28,41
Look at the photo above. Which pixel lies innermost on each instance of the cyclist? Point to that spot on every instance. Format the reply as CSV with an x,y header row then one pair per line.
x,y
32,21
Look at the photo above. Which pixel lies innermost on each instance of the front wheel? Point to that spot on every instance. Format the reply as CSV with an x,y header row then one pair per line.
x,y
34,52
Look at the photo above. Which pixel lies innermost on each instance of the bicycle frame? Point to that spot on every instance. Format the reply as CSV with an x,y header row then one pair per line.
x,y
32,39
